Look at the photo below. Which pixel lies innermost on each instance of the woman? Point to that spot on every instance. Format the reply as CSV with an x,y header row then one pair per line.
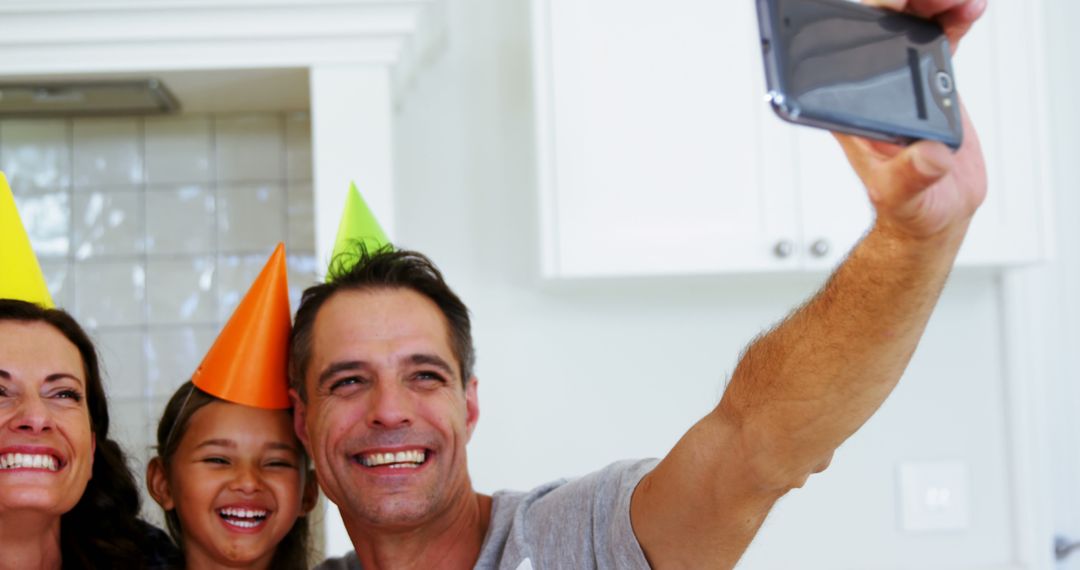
x,y
67,499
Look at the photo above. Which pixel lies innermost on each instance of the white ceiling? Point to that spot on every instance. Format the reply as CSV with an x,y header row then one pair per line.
x,y
217,91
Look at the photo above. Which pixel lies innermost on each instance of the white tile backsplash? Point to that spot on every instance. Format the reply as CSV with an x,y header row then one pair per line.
x,y
151,230
181,220
123,362
251,217
36,154
237,273
181,290
301,216
59,277
46,218
178,150
172,354
303,273
107,223
298,146
249,147
107,152
110,293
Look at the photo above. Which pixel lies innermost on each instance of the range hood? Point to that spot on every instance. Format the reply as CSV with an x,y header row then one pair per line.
x,y
86,98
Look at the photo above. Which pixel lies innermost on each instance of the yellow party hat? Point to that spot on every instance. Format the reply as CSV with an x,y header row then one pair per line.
x,y
20,274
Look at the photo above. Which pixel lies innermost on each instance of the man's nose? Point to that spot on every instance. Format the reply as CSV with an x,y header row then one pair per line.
x,y
390,406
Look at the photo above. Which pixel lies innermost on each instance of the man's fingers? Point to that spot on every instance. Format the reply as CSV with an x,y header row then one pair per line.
x,y
915,169
955,16
897,5
957,22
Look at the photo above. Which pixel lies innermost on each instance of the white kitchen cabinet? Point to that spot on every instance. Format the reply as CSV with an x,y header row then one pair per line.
x,y
658,154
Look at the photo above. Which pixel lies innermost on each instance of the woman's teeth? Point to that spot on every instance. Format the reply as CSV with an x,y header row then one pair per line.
x,y
27,461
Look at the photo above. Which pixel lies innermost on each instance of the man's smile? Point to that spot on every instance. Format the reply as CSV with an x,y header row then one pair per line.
x,y
411,458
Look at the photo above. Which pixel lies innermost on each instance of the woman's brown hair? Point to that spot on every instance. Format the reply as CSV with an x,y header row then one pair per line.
x,y
102,530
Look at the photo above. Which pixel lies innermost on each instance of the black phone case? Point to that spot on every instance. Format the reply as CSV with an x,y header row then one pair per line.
x,y
845,67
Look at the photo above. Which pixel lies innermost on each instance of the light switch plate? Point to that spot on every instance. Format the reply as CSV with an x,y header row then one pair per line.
x,y
933,496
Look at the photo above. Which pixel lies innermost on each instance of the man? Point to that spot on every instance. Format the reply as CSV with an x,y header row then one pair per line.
x,y
381,369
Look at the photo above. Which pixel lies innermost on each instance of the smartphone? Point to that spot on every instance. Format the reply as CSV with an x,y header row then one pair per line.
x,y
846,67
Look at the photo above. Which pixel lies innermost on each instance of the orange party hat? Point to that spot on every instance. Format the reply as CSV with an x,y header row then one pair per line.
x,y
246,365
20,274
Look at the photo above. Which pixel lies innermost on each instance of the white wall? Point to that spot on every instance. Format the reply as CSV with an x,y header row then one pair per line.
x,y
1058,303
576,375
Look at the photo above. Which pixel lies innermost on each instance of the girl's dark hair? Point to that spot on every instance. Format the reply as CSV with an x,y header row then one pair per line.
x,y
294,550
103,529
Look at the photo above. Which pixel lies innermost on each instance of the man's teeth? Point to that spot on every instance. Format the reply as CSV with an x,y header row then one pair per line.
x,y
400,460
27,461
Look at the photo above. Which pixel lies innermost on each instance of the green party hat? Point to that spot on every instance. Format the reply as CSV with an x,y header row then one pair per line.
x,y
358,225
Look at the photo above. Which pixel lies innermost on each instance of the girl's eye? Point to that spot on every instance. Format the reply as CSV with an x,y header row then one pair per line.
x,y
216,460
281,463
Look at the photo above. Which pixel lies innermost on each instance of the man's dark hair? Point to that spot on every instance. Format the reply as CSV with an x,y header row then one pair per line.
x,y
381,269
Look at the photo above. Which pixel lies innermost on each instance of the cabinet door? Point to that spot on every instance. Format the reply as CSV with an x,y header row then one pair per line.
x,y
832,200
652,138
1000,78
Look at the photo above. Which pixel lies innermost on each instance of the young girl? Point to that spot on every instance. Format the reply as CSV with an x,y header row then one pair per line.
x,y
234,482
230,473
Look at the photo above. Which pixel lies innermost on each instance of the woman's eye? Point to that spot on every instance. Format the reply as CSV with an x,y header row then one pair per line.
x,y
73,395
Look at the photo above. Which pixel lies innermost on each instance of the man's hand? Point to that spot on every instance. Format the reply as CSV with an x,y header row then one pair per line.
x,y
924,189
802,389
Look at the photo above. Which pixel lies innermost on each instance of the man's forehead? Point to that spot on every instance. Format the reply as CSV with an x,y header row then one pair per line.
x,y
379,315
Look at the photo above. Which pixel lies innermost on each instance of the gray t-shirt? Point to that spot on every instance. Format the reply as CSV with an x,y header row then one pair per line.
x,y
582,523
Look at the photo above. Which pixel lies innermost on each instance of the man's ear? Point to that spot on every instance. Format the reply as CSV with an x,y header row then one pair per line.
x,y
472,405
157,482
311,492
300,418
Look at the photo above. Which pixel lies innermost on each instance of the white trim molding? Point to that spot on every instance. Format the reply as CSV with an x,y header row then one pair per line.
x,y
48,37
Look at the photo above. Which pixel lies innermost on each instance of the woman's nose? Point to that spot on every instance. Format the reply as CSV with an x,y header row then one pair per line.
x,y
32,415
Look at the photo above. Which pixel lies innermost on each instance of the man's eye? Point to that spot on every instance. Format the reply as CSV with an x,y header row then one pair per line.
x,y
346,382
428,376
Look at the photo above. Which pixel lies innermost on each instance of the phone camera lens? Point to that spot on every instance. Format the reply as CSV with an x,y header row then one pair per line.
x,y
944,83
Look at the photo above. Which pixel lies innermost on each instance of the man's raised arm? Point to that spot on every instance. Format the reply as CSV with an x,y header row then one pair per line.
x,y
805,387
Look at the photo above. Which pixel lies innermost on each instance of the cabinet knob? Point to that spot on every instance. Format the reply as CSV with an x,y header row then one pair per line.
x,y
783,249
820,248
